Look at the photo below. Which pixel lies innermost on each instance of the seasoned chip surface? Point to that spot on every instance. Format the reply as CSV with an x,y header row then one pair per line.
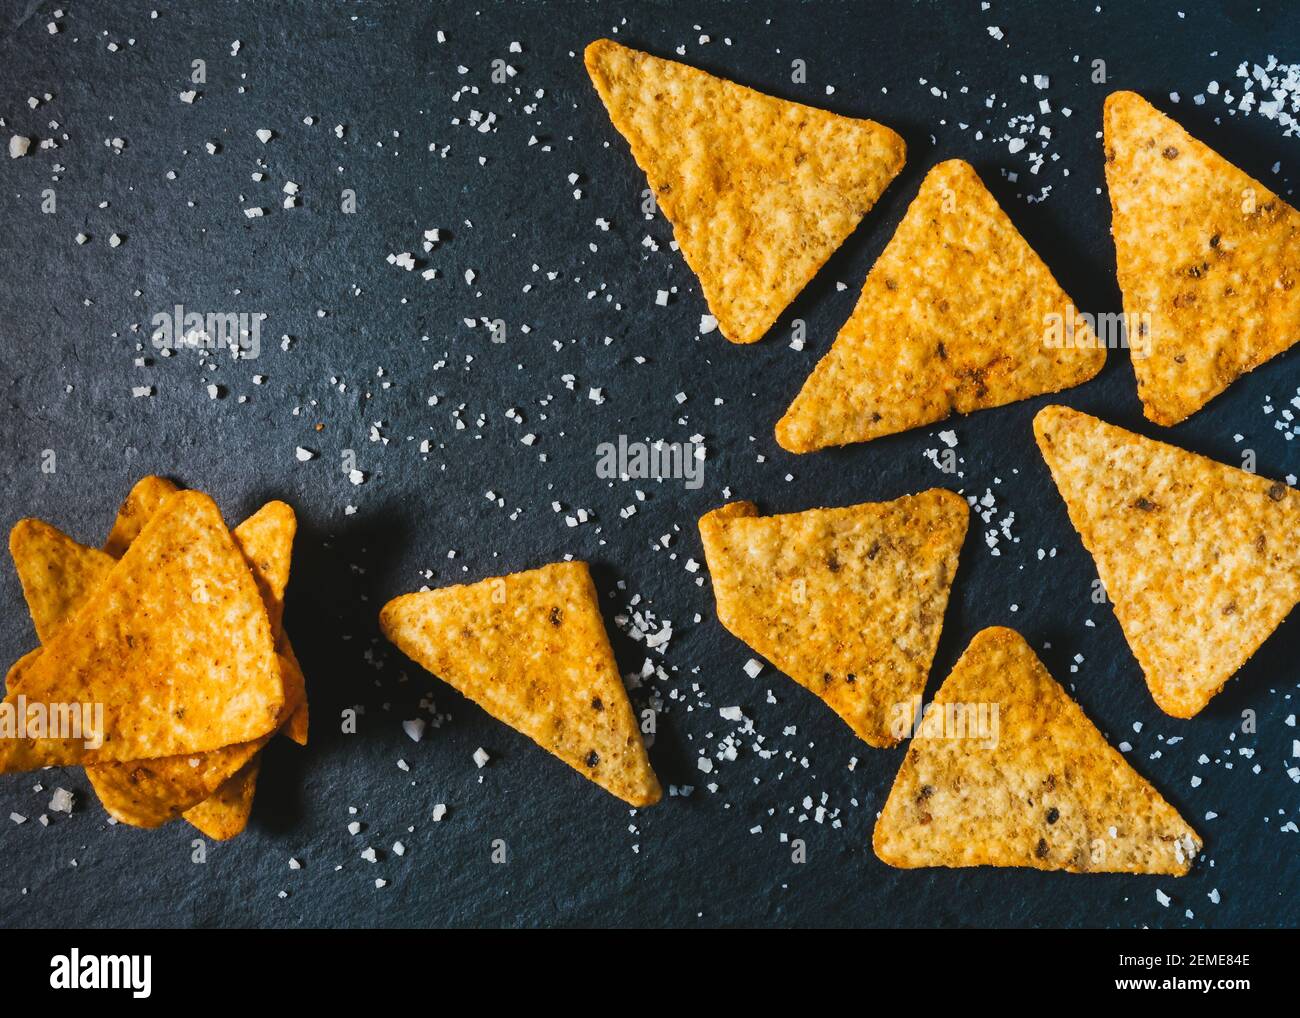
x,y
1210,254
1041,787
760,191
174,644
57,574
1200,560
955,316
225,813
531,650
143,500
848,602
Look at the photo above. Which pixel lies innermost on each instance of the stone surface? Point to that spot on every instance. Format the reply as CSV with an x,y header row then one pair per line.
x,y
70,315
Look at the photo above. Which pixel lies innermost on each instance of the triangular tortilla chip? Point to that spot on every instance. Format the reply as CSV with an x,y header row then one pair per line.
x,y
531,650
1208,260
958,314
225,813
143,500
760,191
847,602
57,574
174,646
266,539
1006,770
1200,560
148,793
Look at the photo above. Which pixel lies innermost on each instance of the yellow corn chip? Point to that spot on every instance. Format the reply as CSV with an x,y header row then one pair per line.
x,y
1006,770
760,191
174,647
225,813
144,499
1200,560
266,539
1208,260
958,314
147,793
531,650
57,574
847,602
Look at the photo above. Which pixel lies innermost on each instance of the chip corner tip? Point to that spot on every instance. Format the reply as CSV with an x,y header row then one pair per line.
x,y
789,438
390,613
1174,707
727,511
593,52
1120,98
880,844
952,166
1157,413
997,636
1048,416
22,529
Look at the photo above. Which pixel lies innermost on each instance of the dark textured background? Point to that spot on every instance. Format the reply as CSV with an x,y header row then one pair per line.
x,y
76,316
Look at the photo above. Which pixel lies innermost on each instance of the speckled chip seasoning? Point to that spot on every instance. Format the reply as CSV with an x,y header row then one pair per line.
x,y
531,649
1007,770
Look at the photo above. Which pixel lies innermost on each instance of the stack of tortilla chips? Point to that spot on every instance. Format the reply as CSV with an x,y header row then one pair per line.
x,y
163,668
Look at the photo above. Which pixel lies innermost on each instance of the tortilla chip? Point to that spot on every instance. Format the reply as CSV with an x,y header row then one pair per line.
x,y
958,314
1209,255
57,574
174,645
266,539
1040,788
1200,559
148,793
225,813
847,602
531,650
144,499
759,191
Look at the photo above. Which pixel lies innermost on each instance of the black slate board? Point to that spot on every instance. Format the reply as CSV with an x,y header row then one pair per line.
x,y
75,316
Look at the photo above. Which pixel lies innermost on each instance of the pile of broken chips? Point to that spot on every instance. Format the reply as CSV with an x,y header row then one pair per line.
x,y
173,630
